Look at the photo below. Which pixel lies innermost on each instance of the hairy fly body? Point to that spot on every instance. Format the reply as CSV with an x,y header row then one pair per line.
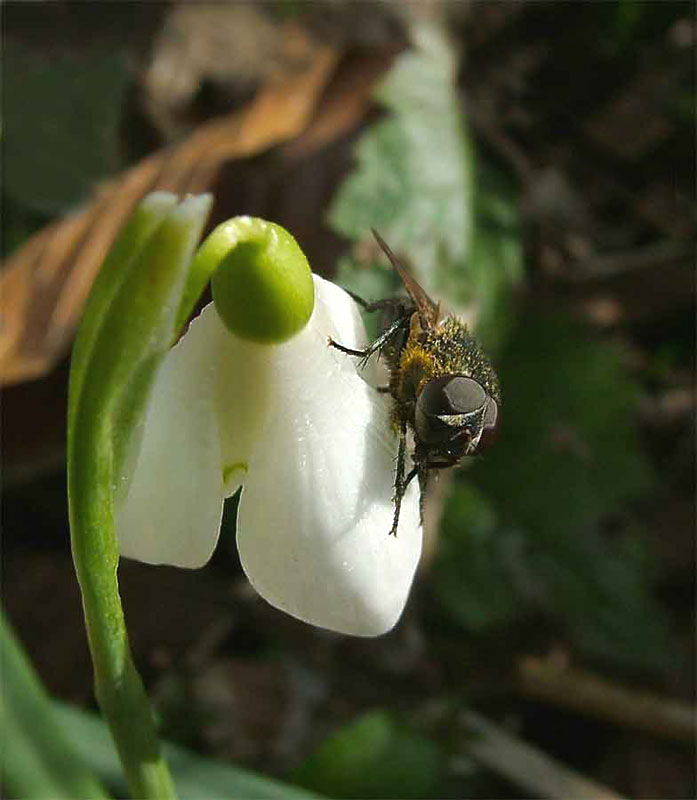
x,y
443,387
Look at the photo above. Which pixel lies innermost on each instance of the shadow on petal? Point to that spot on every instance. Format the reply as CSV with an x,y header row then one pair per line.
x,y
173,503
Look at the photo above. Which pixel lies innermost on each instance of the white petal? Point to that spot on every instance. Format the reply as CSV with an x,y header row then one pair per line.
x,y
242,387
338,313
172,511
316,508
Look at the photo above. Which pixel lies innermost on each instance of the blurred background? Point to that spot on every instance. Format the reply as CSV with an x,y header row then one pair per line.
x,y
533,163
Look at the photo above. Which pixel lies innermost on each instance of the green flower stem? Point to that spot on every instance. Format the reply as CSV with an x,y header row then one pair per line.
x,y
129,324
118,687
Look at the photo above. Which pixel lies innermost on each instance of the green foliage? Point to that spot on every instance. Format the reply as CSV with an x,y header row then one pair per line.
x,y
372,757
196,777
415,182
54,750
566,428
477,575
39,758
524,534
60,118
495,263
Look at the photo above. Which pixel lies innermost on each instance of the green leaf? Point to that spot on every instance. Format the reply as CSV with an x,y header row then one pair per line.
x,y
196,777
38,758
479,574
495,263
567,457
372,757
415,181
414,176
132,315
113,273
60,122
568,451
602,589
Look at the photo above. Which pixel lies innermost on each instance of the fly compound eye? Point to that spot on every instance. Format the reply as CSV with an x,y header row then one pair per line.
x,y
448,406
451,395
462,395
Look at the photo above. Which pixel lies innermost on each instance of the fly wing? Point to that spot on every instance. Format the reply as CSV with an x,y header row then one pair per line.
x,y
428,310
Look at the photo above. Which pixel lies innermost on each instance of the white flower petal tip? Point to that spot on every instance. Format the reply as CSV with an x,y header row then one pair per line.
x,y
316,509
352,578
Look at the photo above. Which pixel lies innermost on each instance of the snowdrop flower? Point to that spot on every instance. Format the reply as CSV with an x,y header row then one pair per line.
x,y
253,396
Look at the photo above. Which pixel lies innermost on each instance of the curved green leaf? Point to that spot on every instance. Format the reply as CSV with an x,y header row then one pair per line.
x,y
38,760
196,777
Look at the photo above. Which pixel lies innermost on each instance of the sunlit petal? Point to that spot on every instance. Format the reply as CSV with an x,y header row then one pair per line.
x,y
317,507
172,511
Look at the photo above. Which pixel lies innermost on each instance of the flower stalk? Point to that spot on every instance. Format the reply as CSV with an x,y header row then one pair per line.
x,y
130,322
159,435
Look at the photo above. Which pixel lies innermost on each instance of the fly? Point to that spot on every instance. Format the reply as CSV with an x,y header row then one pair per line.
x,y
443,387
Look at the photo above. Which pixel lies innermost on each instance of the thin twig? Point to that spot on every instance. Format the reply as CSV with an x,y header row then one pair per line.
x,y
526,766
648,256
597,697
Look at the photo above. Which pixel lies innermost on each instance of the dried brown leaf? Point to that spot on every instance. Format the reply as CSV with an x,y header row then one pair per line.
x,y
344,104
43,286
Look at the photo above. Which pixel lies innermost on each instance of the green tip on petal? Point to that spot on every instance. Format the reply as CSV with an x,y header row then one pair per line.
x,y
261,282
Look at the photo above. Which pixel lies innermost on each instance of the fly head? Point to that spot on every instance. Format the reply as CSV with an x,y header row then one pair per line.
x,y
454,417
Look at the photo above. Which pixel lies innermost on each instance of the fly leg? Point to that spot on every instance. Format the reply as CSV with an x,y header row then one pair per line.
x,y
399,482
377,305
423,485
422,472
379,343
